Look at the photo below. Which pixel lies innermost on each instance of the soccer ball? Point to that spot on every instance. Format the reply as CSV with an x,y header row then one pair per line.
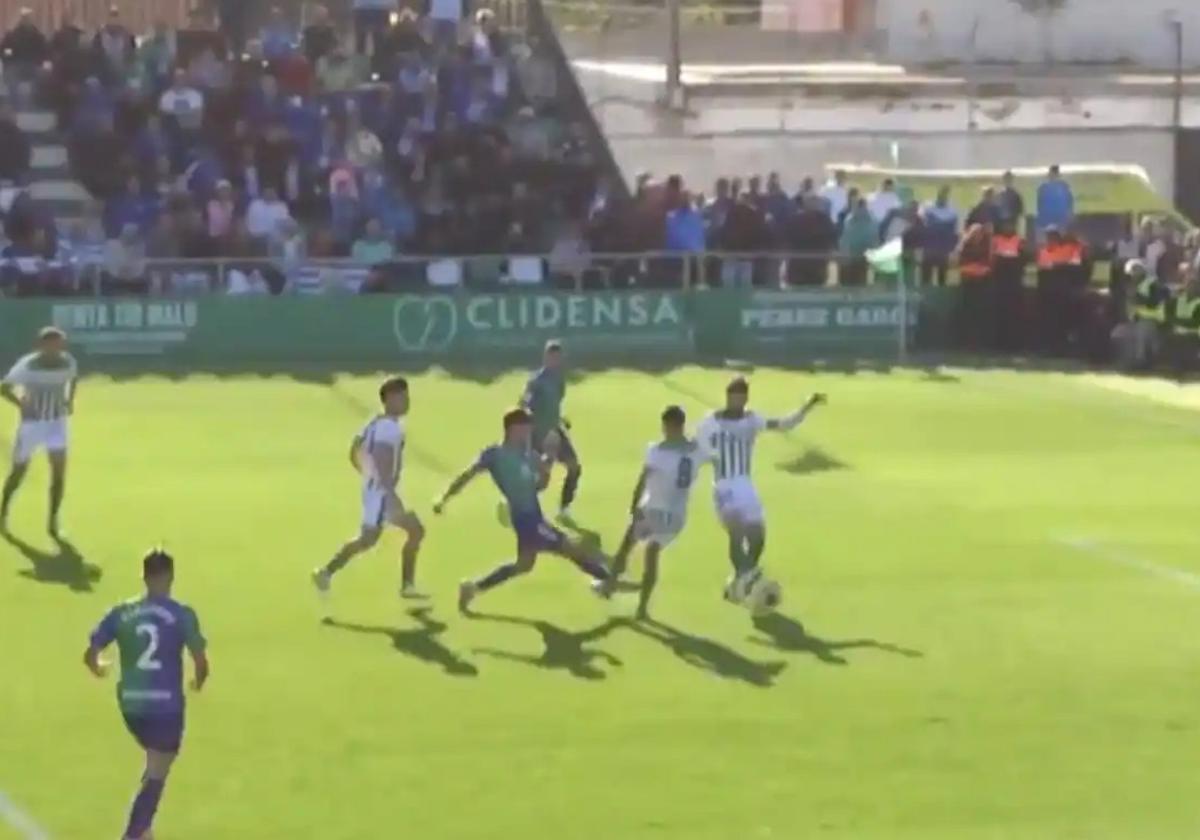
x,y
765,597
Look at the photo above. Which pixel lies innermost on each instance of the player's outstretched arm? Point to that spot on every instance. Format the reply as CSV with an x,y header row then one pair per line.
x,y
791,421
456,486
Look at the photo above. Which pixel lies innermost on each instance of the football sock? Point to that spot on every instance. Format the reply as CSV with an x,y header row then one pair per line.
x,y
737,554
57,486
497,576
10,487
408,561
145,805
570,487
754,550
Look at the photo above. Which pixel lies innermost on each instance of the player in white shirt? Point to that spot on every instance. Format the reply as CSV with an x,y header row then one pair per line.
x,y
728,437
660,502
42,386
377,452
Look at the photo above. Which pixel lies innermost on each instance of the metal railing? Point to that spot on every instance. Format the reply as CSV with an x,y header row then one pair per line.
x,y
570,270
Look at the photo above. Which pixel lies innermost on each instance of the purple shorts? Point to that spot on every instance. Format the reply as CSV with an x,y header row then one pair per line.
x,y
159,732
534,532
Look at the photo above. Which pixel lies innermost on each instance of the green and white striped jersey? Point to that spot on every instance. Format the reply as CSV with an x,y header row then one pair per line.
x,y
730,442
44,383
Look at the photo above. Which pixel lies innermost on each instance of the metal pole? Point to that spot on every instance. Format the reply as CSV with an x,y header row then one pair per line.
x,y
1177,26
674,54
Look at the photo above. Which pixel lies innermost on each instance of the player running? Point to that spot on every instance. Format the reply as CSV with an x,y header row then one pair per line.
x,y
151,634
378,453
47,379
520,474
729,437
543,399
660,502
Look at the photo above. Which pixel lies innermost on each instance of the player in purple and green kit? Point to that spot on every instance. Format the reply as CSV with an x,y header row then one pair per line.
x,y
543,399
520,473
151,634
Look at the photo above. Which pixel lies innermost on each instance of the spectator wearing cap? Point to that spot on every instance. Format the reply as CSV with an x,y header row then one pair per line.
x,y
1055,201
371,19
319,37
24,48
114,47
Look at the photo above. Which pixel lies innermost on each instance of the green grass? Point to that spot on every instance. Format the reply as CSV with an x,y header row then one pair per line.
x,y
964,674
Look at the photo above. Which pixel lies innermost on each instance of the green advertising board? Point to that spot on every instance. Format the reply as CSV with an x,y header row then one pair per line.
x,y
379,329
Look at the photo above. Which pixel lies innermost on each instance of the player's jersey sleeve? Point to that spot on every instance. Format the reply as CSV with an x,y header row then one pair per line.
x,y
651,458
486,459
704,434
192,636
72,367
529,395
758,423
16,374
106,631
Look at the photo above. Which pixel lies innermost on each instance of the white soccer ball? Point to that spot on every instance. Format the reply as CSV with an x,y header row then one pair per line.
x,y
765,596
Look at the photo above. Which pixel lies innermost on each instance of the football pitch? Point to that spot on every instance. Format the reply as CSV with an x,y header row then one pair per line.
x,y
990,627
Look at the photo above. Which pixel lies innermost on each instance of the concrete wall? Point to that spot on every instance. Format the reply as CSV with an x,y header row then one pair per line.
x,y
1135,31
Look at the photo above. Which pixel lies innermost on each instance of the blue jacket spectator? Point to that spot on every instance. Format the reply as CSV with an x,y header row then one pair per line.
x,y
393,210
778,205
132,207
1055,201
685,228
941,226
279,38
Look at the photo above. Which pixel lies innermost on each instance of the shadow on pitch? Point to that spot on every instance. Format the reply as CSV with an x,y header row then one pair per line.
x,y
561,649
65,565
787,634
709,655
812,460
420,642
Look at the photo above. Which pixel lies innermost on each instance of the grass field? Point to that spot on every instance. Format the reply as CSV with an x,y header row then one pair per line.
x,y
991,624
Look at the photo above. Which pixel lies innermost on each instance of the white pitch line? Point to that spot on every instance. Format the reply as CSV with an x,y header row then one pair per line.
x,y
21,822
1132,561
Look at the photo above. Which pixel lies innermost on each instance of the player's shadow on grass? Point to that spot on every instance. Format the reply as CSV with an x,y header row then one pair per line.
x,y
812,460
561,649
420,642
709,655
787,634
65,565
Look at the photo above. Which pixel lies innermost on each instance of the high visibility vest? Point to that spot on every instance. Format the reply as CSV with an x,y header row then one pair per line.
x,y
1187,314
1047,257
1144,307
1072,253
1006,247
974,260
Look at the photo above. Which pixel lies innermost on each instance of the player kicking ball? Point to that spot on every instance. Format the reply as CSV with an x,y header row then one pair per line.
x,y
377,452
520,474
543,399
660,502
151,634
47,380
728,436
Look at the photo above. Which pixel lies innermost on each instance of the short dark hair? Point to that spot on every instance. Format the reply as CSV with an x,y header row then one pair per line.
x,y
157,562
554,345
395,385
51,333
517,417
739,385
674,415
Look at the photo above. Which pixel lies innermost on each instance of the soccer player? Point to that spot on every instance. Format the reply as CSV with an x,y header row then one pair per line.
x,y
151,634
520,473
729,437
660,502
378,453
543,399
47,381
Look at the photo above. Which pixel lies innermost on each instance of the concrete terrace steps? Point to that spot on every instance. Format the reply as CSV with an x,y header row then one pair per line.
x,y
50,181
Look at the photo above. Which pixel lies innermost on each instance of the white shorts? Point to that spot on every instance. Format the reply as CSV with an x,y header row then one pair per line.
x,y
33,435
658,527
737,501
378,509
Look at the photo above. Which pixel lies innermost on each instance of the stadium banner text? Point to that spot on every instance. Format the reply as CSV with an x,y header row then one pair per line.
x,y
378,328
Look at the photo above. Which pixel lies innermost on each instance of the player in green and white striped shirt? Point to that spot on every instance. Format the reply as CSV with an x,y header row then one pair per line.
x,y
42,387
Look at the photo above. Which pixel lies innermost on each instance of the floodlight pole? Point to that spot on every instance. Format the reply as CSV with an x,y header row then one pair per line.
x,y
1177,29
674,55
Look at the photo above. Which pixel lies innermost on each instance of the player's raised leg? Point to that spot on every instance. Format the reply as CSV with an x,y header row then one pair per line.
x,y
469,589
145,803
365,541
